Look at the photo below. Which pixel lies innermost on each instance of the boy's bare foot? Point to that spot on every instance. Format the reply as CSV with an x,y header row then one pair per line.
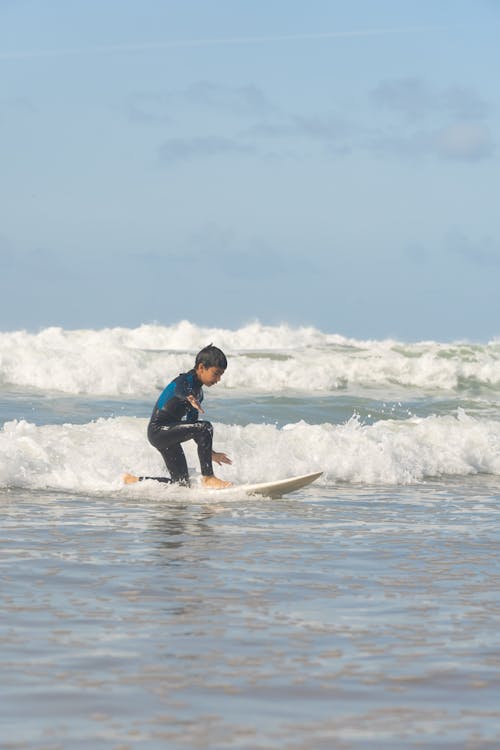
x,y
214,483
130,479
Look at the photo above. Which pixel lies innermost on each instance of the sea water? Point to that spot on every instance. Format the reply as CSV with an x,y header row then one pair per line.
x,y
361,612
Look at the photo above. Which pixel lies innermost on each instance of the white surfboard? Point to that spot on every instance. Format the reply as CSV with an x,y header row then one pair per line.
x,y
279,487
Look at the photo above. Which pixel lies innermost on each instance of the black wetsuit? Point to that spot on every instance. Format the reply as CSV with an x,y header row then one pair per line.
x,y
174,421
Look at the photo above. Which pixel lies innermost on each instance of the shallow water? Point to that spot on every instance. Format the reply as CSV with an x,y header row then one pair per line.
x,y
356,617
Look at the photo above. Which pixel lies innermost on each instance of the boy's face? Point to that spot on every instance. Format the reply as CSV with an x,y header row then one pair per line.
x,y
209,375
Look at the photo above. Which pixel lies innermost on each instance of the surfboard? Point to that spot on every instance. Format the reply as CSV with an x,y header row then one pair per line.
x,y
278,488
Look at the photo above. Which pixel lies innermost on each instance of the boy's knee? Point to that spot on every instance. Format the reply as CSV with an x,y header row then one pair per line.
x,y
205,429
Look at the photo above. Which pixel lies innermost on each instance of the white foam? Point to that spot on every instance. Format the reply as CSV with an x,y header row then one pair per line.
x,y
92,457
264,359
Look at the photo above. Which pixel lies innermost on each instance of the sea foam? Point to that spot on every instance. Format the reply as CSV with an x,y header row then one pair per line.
x,y
263,359
92,457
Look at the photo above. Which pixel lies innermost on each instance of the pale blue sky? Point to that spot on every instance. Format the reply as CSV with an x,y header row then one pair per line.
x,y
322,163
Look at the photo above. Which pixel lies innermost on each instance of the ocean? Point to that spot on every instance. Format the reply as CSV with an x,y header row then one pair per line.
x,y
360,612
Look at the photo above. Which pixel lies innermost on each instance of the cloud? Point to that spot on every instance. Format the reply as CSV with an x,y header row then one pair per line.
x,y
327,127
410,97
460,141
207,103
176,150
149,109
464,141
464,103
415,99
483,252
169,106
446,123
245,101
330,130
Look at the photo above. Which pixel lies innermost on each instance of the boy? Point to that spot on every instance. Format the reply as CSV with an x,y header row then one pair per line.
x,y
175,420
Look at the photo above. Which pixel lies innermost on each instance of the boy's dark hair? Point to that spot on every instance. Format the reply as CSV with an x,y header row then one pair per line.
x,y
211,356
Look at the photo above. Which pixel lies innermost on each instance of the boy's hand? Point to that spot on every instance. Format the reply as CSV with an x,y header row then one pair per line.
x,y
220,458
194,403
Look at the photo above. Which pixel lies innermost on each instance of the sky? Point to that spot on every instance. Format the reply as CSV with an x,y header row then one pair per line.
x,y
321,163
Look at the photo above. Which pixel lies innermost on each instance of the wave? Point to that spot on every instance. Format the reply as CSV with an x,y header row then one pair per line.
x,y
264,359
92,457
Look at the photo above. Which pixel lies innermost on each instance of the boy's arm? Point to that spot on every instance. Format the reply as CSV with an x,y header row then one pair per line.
x,y
194,403
184,391
192,414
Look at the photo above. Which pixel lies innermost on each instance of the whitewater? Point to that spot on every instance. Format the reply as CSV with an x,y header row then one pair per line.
x,y
76,405
264,359
361,612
